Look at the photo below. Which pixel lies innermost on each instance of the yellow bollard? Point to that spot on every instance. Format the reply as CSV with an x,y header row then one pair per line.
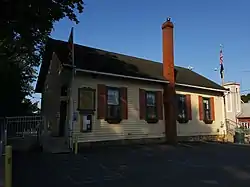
x,y
8,166
76,145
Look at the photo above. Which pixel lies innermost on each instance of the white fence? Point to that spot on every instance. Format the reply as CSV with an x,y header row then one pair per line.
x,y
20,126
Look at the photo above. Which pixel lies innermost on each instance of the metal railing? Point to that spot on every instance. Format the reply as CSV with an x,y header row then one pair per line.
x,y
233,127
14,128
21,126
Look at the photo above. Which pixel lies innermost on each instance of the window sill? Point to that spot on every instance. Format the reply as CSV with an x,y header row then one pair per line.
x,y
181,120
85,131
113,121
208,121
152,121
86,111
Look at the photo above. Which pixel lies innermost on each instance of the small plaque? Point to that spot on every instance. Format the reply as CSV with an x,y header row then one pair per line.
x,y
86,99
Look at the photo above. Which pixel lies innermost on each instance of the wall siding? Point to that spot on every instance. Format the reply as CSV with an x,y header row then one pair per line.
x,y
133,127
51,97
234,103
195,126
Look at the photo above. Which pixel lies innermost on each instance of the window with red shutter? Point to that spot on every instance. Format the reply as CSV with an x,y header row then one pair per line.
x,y
101,103
113,105
200,108
183,112
149,108
124,103
142,101
212,108
189,106
159,104
207,109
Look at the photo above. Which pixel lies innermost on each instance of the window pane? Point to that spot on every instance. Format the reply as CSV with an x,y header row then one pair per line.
x,y
113,111
151,99
151,112
113,97
207,112
181,106
206,104
182,113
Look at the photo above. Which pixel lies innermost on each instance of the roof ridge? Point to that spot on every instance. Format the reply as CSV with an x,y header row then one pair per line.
x,y
121,54
126,64
116,53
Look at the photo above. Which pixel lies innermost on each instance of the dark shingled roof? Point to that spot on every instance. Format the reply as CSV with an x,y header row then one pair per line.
x,y
103,61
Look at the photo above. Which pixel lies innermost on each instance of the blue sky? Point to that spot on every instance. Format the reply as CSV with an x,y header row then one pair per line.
x,y
134,28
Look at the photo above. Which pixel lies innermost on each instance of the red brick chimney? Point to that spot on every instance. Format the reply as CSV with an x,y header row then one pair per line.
x,y
169,74
168,50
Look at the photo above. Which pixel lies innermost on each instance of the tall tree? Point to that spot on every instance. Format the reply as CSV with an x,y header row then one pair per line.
x,y
25,27
245,98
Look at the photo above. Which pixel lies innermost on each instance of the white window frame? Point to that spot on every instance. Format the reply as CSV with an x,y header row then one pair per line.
x,y
229,98
238,104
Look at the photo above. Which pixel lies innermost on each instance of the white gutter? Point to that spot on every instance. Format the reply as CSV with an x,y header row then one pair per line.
x,y
200,87
143,79
121,76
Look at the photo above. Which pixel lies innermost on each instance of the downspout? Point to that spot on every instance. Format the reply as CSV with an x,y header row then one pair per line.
x,y
225,112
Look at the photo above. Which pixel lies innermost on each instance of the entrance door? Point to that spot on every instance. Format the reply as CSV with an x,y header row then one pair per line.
x,y
63,113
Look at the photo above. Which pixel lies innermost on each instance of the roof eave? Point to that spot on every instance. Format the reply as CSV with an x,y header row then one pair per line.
x,y
145,79
203,88
122,76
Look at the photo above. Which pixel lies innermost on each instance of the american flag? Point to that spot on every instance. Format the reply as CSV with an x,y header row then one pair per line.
x,y
221,64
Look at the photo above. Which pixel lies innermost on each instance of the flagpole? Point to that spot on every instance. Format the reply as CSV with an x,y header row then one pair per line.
x,y
221,66
73,56
71,99
72,83
222,80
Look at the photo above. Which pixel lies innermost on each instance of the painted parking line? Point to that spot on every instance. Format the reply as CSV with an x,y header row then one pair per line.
x,y
214,182
75,182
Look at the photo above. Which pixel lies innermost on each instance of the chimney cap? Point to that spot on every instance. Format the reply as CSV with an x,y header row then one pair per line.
x,y
167,23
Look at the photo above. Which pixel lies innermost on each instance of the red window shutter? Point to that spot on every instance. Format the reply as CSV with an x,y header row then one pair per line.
x,y
101,107
212,108
189,106
159,104
200,107
142,99
124,102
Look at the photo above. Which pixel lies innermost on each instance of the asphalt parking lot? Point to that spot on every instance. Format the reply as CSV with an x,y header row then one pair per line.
x,y
141,165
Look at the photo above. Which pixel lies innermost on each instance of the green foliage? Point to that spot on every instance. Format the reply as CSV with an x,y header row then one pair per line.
x,y
245,98
25,27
